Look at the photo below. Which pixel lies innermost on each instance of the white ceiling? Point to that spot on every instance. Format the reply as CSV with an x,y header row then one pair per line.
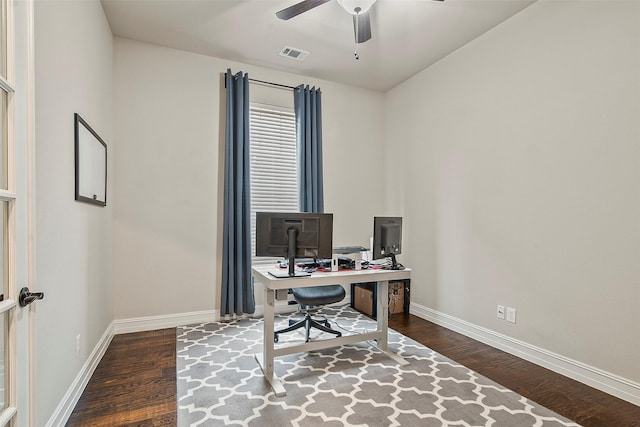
x,y
407,35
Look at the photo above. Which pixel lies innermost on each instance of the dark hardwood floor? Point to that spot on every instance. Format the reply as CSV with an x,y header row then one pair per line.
x,y
135,383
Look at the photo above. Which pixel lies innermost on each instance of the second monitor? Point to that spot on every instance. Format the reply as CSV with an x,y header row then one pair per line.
x,y
387,239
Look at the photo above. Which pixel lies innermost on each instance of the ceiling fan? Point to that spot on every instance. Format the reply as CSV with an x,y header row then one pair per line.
x,y
358,8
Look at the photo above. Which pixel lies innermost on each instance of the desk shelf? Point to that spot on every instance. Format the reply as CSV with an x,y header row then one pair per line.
x,y
363,297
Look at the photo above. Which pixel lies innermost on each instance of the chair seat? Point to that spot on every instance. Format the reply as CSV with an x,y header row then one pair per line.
x,y
307,298
319,295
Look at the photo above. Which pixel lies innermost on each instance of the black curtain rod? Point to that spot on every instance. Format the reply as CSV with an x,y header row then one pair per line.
x,y
266,83
271,84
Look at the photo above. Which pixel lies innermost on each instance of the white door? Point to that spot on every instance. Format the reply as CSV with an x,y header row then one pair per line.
x,y
16,144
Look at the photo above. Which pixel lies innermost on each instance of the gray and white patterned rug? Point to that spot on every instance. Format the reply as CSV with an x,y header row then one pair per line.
x,y
220,383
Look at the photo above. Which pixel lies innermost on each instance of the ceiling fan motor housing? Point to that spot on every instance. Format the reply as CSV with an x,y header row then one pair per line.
x,y
356,7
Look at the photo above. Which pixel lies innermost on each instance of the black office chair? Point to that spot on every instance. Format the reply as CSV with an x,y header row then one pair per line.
x,y
310,298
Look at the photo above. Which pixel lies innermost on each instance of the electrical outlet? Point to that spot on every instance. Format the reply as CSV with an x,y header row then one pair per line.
x,y
77,345
511,315
500,312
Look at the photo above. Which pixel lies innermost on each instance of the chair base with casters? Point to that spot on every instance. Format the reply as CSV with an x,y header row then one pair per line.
x,y
311,297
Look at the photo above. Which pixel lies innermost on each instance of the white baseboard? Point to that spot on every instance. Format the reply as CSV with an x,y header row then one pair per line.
x,y
151,323
140,324
589,375
280,307
62,413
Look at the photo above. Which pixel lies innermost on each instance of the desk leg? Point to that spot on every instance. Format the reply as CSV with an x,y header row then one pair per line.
x,y
267,355
382,310
383,321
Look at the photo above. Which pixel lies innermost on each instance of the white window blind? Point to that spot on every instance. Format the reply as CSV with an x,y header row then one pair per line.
x,y
274,177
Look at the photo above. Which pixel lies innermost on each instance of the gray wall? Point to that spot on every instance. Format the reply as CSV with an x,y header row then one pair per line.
x,y
520,179
73,58
168,172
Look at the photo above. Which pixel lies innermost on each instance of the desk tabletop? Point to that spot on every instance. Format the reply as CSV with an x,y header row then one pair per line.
x,y
342,277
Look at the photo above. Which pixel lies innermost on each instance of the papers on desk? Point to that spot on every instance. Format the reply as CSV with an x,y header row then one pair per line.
x,y
381,261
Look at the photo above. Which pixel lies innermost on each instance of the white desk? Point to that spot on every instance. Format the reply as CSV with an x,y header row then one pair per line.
x,y
344,278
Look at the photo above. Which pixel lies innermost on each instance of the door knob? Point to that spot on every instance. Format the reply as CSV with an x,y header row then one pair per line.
x,y
25,298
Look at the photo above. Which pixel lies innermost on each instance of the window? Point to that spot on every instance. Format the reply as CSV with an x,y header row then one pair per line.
x,y
274,176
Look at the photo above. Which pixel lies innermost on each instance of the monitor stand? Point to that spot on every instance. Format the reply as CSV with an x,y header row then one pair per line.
x,y
291,271
394,264
292,233
286,275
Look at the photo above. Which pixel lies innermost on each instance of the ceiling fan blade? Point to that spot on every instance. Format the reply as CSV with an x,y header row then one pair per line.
x,y
362,27
299,8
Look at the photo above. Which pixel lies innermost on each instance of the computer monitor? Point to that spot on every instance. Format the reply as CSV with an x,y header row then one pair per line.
x,y
387,239
294,235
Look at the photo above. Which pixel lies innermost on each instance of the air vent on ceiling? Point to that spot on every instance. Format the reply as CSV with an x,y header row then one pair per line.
x,y
293,53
